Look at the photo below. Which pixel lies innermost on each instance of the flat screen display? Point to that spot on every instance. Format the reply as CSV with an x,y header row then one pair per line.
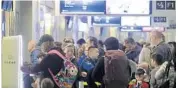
x,y
135,21
107,20
142,7
82,6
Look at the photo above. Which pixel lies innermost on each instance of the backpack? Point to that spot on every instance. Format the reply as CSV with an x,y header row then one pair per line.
x,y
66,77
117,71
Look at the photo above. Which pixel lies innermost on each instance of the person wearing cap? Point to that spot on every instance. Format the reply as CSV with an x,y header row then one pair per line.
x,y
139,81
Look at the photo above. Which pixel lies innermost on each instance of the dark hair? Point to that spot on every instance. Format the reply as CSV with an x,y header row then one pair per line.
x,y
140,71
130,41
81,41
41,55
100,43
111,43
157,58
45,38
94,40
58,44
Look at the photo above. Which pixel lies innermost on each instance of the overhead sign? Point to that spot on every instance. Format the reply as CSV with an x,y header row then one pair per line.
x,y
135,21
82,6
160,19
129,7
165,5
107,20
129,28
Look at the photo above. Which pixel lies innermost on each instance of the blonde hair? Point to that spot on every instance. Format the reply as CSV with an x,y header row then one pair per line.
x,y
70,46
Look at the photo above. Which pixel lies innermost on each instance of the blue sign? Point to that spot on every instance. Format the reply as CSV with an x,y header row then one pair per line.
x,y
160,5
82,6
106,20
170,5
160,19
7,5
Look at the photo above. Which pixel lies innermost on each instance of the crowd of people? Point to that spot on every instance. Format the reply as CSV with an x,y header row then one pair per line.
x,y
97,64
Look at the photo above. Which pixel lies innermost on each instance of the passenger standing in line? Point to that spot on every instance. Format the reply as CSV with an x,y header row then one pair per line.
x,y
132,49
144,56
117,73
89,62
157,61
34,60
101,48
159,46
69,52
92,41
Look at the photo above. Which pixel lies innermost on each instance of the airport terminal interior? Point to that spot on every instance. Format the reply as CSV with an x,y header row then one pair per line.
x,y
88,43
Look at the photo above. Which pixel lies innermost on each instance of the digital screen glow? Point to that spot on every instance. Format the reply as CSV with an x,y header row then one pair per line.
x,y
82,6
135,21
106,20
128,7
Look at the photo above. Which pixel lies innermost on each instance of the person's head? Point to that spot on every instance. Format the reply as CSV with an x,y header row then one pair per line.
x,y
69,50
140,74
129,43
58,44
47,83
156,37
81,50
45,38
80,42
100,44
31,45
93,52
68,40
111,43
46,46
172,46
92,41
156,60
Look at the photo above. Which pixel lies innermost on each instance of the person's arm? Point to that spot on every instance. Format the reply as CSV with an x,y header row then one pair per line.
x,y
152,79
142,56
34,57
98,71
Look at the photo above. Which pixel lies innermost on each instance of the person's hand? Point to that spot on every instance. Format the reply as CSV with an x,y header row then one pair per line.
x,y
83,74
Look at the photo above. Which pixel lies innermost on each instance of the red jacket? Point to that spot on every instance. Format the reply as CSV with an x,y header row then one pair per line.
x,y
133,84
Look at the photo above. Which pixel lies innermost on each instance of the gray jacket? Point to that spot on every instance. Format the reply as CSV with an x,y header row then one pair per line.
x,y
158,73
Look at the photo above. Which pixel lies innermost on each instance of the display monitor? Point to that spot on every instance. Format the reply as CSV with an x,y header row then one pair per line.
x,y
129,7
82,6
135,21
107,20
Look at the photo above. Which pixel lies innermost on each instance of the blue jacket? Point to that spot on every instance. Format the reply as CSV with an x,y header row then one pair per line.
x,y
81,59
34,56
133,54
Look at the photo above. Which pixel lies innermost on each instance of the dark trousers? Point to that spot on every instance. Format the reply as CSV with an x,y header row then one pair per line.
x,y
90,80
27,81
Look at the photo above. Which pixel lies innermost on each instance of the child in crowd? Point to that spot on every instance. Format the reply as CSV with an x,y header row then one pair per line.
x,y
139,81
157,61
69,51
